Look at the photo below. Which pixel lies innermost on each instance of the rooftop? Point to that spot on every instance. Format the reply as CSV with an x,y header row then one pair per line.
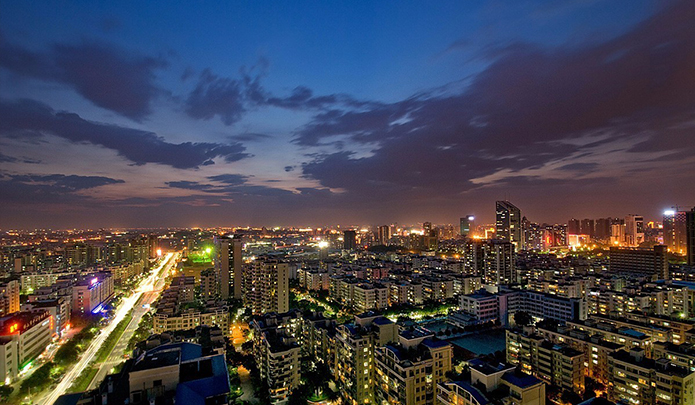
x,y
521,380
482,400
486,368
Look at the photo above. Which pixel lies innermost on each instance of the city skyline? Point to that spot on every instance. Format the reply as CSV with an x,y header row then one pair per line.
x,y
311,114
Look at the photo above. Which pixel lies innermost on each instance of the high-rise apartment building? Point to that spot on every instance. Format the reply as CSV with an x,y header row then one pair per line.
x,y
9,296
466,225
349,240
602,230
407,373
384,234
266,286
277,354
634,230
636,379
228,263
690,236
587,227
499,266
640,262
508,223
493,259
355,368
573,226
675,231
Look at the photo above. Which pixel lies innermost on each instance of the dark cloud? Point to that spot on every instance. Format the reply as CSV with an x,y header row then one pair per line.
x,y
228,98
7,159
532,106
107,76
190,185
222,183
216,96
229,179
250,137
582,167
45,190
25,116
23,159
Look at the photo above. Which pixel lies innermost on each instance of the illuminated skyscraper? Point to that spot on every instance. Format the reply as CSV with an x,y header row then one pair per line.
x,y
228,264
508,223
466,225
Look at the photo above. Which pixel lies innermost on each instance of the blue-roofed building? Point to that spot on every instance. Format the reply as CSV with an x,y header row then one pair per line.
x,y
203,382
179,371
524,389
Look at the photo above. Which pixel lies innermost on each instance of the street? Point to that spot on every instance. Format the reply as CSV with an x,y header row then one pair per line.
x,y
149,288
150,293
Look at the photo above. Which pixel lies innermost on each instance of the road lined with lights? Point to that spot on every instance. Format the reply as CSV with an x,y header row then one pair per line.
x,y
146,286
150,293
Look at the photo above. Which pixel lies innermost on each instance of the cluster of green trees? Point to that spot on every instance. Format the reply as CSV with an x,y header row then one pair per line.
x,y
82,381
111,340
142,332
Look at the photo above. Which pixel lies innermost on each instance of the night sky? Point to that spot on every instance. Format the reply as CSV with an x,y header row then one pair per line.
x,y
140,114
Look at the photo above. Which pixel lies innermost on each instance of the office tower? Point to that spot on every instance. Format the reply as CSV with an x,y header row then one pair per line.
x,y
634,230
228,265
586,227
427,227
266,286
640,262
508,223
690,236
384,234
466,226
573,226
350,240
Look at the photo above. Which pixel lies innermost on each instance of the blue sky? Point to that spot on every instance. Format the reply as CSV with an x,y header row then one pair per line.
x,y
340,112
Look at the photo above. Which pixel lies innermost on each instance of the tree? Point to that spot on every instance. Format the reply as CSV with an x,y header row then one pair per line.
x,y
570,397
522,318
5,391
